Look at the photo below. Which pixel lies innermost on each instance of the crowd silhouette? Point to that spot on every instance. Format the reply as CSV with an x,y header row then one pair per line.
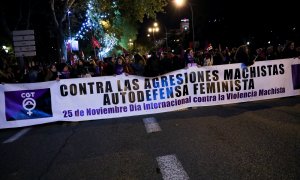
x,y
149,65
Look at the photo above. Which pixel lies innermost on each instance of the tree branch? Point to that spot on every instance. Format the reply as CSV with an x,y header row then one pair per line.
x,y
67,6
54,14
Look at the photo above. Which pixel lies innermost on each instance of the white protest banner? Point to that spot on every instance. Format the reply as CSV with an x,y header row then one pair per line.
x,y
106,97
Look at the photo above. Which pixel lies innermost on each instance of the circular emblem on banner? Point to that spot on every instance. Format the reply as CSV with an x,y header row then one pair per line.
x,y
29,104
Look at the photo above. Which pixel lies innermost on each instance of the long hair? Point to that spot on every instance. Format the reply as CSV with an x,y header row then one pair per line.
x,y
242,55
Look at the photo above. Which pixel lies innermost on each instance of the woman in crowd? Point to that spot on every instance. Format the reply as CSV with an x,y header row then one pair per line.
x,y
243,55
52,73
189,56
119,69
127,65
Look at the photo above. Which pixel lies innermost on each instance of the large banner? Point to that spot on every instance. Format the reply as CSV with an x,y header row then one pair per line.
x,y
119,96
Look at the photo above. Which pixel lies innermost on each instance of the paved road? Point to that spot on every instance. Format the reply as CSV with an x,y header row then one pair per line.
x,y
257,140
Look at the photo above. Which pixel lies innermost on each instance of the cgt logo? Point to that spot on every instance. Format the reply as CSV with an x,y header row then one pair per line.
x,y
28,102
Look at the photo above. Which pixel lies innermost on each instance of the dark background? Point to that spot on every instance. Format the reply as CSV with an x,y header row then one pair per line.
x,y
229,23
233,23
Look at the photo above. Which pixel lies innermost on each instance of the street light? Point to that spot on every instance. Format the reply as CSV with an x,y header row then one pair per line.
x,y
130,42
5,48
153,29
180,3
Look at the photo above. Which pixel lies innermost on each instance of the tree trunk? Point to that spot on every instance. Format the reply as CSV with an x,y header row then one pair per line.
x,y
61,44
58,21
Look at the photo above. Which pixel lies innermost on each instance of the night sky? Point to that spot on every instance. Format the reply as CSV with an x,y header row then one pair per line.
x,y
236,20
254,11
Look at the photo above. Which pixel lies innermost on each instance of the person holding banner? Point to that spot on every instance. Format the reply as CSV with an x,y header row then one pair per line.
x,y
52,73
289,50
119,67
208,56
243,56
127,65
189,58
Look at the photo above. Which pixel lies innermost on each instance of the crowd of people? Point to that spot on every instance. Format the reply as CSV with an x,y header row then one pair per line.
x,y
149,65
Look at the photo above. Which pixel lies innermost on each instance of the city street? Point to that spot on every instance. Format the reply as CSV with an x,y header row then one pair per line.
x,y
108,90
253,140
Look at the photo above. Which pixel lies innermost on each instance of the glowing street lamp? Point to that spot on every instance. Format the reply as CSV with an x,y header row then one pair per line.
x,y
5,48
180,3
153,29
130,42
